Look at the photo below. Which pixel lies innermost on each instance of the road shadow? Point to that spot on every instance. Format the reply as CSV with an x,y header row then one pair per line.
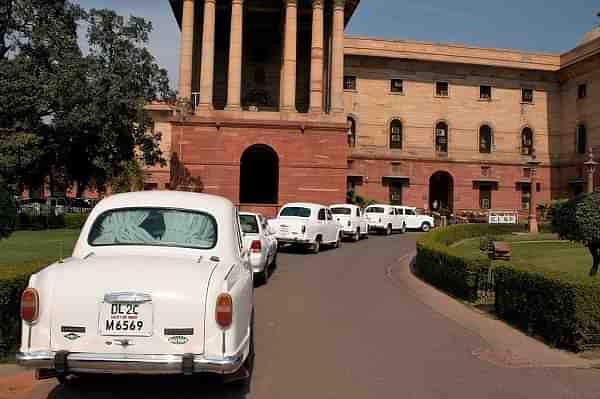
x,y
149,387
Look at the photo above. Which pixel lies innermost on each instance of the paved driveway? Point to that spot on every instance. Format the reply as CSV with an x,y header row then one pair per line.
x,y
334,325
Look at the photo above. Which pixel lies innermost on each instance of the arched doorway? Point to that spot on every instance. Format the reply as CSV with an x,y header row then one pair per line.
x,y
441,191
259,175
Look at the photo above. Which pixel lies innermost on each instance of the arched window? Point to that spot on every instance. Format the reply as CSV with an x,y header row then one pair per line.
x,y
351,126
441,137
581,137
396,134
527,141
485,139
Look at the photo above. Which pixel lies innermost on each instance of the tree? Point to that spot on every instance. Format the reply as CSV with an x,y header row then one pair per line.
x,y
130,178
8,212
578,220
83,112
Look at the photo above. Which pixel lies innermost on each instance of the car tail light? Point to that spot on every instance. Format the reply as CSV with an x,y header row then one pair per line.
x,y
349,223
303,229
30,305
256,246
224,311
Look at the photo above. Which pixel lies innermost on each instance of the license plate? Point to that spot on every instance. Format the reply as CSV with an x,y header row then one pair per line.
x,y
126,319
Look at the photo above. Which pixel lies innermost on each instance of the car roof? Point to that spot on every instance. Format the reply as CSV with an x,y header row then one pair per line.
x,y
303,205
344,206
380,206
250,214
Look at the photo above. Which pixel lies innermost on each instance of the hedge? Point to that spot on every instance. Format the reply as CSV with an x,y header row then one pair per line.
x,y
447,268
13,280
67,220
554,306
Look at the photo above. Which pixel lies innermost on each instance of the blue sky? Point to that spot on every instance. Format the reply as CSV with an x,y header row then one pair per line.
x,y
534,25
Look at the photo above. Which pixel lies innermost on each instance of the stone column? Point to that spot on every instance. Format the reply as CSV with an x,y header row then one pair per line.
x,y
316,58
187,50
288,87
234,85
208,57
337,66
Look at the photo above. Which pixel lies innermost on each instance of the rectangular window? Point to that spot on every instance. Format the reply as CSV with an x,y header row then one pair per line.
x,y
485,93
582,91
397,86
395,194
527,96
441,89
349,82
485,197
525,196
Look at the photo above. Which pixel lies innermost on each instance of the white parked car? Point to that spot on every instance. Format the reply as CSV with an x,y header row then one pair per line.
x,y
309,225
415,221
261,242
352,221
385,218
159,283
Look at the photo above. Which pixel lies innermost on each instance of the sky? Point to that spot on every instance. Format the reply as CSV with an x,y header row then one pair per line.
x,y
531,25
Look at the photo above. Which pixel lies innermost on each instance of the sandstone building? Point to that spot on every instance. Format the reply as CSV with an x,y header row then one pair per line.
x,y
285,107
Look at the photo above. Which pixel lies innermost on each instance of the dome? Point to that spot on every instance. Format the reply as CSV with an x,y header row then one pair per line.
x,y
591,35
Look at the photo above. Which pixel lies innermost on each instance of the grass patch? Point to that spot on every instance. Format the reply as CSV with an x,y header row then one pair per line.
x,y
24,248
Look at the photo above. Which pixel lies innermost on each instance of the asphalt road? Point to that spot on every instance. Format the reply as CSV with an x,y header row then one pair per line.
x,y
334,325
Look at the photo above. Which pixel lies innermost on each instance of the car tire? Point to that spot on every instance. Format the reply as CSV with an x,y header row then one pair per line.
x,y
316,247
338,241
388,230
425,227
261,278
356,235
403,228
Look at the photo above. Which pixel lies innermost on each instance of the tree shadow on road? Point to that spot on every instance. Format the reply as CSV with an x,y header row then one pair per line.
x,y
134,387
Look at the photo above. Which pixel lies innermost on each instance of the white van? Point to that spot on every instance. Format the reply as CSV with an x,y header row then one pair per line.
x,y
385,218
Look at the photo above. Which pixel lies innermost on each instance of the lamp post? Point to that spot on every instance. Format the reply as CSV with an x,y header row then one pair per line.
x,y
533,163
590,167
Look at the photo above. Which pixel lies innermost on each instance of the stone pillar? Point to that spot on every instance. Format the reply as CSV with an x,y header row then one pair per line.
x,y
288,87
316,58
234,85
208,57
337,66
187,50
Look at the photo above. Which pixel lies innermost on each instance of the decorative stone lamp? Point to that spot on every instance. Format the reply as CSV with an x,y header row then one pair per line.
x,y
590,167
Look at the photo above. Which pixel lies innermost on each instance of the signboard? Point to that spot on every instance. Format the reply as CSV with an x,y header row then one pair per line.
x,y
503,217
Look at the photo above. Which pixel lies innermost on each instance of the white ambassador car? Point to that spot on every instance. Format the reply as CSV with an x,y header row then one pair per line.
x,y
309,225
261,242
158,283
385,218
352,221
414,221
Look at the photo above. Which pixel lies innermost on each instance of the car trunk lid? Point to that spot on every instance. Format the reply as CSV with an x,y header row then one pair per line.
x,y
95,302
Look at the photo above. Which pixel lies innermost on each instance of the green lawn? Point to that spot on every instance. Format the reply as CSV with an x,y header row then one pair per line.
x,y
27,247
542,252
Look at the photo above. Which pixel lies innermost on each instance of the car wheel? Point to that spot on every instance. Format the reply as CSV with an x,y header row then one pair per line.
x,y
388,230
404,228
338,241
316,247
425,227
261,278
357,235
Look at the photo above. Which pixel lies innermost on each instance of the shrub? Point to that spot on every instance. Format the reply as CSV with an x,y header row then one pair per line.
x,y
8,212
13,280
75,221
557,307
446,268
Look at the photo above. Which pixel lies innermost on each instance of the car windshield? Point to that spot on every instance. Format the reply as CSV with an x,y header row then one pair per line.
x,y
341,211
154,227
375,209
295,211
249,224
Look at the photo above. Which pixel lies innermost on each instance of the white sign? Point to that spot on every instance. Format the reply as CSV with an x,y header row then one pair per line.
x,y
503,217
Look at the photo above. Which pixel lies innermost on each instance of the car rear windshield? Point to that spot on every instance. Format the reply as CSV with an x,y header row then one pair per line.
x,y
295,211
249,224
159,227
375,209
341,211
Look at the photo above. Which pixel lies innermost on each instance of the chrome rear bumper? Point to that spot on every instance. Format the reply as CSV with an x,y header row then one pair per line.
x,y
131,364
